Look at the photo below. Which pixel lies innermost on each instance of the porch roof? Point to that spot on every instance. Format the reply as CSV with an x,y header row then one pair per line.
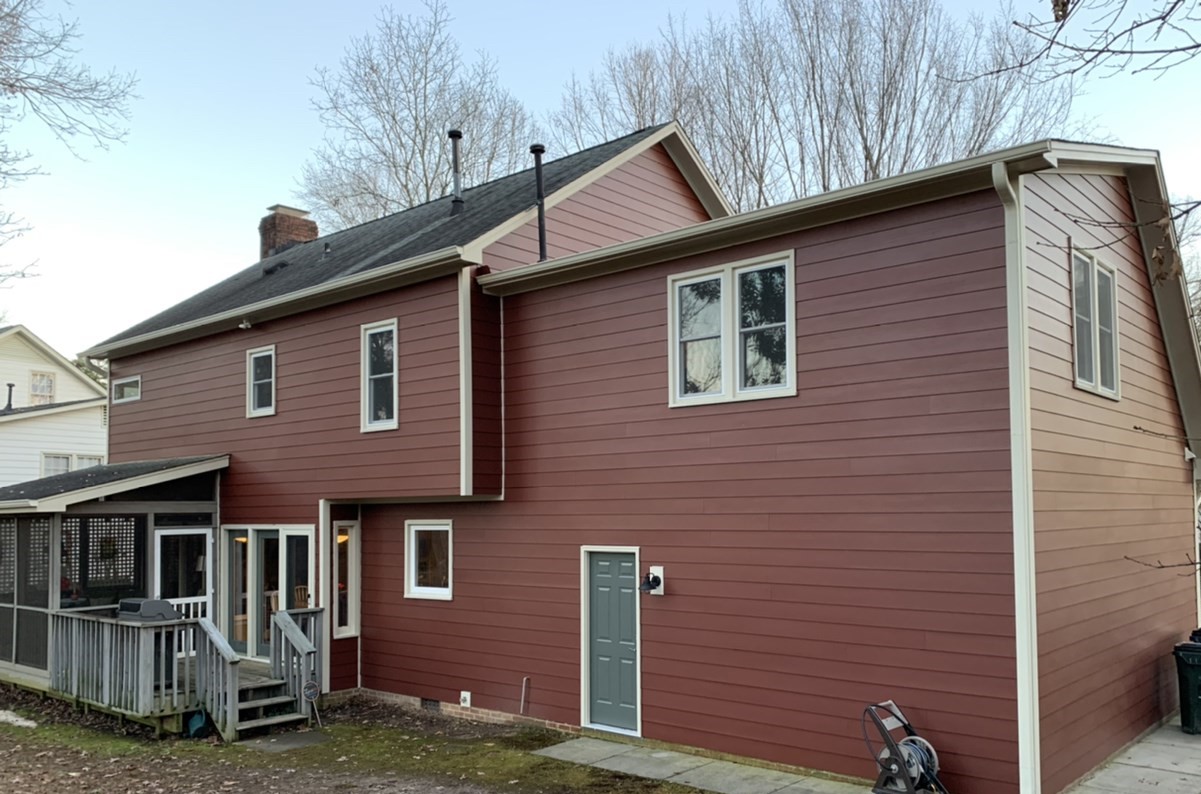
x,y
54,494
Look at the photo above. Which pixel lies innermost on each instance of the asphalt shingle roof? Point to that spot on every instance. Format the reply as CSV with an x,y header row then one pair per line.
x,y
29,409
90,477
419,230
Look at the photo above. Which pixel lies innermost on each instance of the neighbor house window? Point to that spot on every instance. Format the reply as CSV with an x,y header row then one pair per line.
x,y
126,390
1095,321
733,332
260,381
87,461
53,464
428,559
41,388
346,579
379,376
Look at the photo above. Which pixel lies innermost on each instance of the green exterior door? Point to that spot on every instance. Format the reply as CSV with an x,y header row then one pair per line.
x,y
612,632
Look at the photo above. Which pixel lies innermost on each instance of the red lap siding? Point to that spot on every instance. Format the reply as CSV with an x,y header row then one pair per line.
x,y
822,552
1102,491
194,403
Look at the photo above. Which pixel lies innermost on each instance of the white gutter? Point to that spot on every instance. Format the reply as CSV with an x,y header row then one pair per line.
x,y
405,271
1021,486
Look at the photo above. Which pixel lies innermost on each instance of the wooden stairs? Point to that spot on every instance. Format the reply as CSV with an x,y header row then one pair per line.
x,y
263,702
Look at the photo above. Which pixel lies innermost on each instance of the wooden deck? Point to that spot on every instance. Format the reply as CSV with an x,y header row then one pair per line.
x,y
162,673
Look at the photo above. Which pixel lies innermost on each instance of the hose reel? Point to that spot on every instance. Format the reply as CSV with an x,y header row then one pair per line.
x,y
908,765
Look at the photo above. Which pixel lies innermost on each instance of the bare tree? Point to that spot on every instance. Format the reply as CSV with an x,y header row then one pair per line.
x,y
1114,35
40,78
805,96
386,110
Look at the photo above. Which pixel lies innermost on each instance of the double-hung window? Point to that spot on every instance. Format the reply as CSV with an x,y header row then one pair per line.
x,y
733,332
1095,324
260,381
41,388
378,388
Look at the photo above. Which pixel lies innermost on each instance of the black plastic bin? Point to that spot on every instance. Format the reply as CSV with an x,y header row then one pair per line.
x,y
1188,669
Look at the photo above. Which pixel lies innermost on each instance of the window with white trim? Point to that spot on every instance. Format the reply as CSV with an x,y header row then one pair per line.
x,y
53,463
346,578
379,376
41,388
126,390
732,332
260,381
88,461
428,559
1095,324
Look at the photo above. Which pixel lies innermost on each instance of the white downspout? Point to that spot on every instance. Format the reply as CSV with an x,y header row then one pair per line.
x,y
1022,486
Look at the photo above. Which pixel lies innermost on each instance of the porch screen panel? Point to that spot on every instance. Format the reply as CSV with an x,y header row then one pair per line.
x,y
8,585
33,592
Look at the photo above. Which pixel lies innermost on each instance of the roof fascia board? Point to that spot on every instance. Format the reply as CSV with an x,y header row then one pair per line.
x,y
19,506
60,502
99,402
669,132
397,274
683,153
1149,198
56,357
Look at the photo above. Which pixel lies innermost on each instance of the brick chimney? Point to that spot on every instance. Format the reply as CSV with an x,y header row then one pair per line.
x,y
284,227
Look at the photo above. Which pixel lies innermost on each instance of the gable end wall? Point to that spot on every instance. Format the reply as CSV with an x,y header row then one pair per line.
x,y
1102,491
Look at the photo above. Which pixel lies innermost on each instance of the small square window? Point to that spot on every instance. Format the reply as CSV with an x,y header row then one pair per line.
x,y
127,390
733,332
41,388
88,461
1095,325
428,559
378,388
260,381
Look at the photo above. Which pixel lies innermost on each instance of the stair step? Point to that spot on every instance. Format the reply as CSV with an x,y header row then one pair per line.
x,y
265,722
258,683
278,700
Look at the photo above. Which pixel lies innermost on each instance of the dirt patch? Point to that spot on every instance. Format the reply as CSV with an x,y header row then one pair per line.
x,y
376,713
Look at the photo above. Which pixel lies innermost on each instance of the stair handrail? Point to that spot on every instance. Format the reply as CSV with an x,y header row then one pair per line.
x,y
293,659
217,679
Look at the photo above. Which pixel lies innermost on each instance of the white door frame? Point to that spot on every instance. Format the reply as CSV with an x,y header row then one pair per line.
x,y
208,568
254,587
586,638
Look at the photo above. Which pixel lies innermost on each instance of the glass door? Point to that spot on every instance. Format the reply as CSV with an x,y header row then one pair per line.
x,y
269,569
182,572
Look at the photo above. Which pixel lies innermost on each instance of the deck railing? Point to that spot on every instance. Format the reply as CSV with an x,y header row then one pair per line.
x,y
217,678
294,657
128,668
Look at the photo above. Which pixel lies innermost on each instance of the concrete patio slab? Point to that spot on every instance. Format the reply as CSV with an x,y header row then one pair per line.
x,y
818,785
651,763
1166,761
583,751
730,778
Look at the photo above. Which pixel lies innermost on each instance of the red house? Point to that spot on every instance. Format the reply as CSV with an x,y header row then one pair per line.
x,y
891,442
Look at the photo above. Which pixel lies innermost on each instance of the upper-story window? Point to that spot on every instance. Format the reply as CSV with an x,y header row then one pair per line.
x,y
53,464
260,381
1095,321
733,332
378,388
126,390
41,388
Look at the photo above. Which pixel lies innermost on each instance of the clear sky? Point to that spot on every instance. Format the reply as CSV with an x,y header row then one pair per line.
x,y
224,123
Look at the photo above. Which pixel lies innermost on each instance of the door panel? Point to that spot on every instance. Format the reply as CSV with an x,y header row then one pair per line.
x,y
613,671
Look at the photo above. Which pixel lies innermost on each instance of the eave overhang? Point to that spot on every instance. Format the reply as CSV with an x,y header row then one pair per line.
x,y
402,273
60,502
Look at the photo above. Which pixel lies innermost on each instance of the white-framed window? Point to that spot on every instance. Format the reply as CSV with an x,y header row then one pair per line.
x,y
55,463
41,388
732,332
378,388
260,381
1095,325
346,578
88,461
126,390
429,559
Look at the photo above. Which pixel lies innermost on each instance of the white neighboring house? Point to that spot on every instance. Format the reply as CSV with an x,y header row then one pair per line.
x,y
53,417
